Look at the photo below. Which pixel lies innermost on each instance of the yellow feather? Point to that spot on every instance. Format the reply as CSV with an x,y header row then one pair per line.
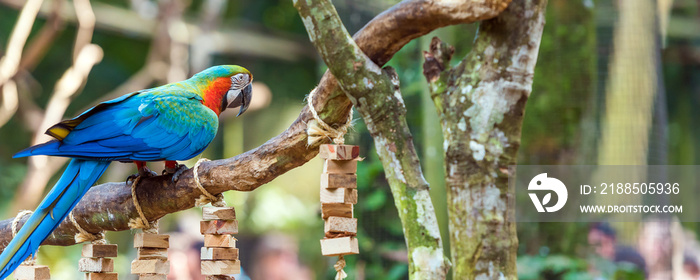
x,y
58,132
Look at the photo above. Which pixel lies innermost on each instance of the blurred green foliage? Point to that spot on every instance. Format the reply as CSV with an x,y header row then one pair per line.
x,y
562,267
552,267
563,87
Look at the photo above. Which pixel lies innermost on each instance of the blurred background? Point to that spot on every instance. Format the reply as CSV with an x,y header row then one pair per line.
x,y
612,86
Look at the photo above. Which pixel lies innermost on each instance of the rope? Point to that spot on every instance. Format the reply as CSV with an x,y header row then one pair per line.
x,y
84,235
152,227
30,261
206,197
339,265
141,222
18,218
317,129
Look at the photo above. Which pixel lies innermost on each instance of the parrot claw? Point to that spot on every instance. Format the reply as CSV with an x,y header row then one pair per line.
x,y
172,169
177,172
147,173
131,178
143,173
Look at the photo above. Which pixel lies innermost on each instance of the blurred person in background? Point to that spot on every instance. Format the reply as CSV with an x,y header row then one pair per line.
x,y
691,267
277,258
184,255
603,240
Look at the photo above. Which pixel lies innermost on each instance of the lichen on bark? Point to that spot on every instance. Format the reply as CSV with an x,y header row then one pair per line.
x,y
481,103
376,95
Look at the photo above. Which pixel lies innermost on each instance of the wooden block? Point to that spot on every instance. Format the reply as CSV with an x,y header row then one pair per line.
x,y
150,267
101,276
100,250
218,227
341,224
218,213
334,181
336,209
219,253
153,277
219,241
219,277
152,253
339,152
32,272
221,267
95,265
147,240
339,246
339,196
340,166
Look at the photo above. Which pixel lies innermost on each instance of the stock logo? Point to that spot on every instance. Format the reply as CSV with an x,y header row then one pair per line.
x,y
543,183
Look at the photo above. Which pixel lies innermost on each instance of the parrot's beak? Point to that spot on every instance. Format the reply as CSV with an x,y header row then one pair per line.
x,y
243,99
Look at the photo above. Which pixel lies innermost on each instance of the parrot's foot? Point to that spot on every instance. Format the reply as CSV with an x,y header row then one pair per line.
x,y
144,172
131,178
172,166
177,172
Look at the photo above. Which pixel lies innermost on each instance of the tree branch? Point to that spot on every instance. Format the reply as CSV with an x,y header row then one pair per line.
x,y
109,206
9,64
27,110
110,17
41,42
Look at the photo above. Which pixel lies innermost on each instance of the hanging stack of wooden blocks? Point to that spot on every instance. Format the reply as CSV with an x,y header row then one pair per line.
x,y
151,262
338,195
97,262
32,272
219,254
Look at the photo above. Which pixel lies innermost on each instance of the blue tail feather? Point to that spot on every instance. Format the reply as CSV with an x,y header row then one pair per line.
x,y
34,150
78,177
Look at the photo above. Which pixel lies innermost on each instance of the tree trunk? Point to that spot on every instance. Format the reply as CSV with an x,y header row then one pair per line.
x,y
481,103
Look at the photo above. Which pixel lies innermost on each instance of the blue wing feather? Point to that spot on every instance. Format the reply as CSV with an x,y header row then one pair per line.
x,y
143,126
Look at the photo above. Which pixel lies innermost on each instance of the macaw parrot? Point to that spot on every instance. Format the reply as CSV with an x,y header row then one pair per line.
x,y
168,123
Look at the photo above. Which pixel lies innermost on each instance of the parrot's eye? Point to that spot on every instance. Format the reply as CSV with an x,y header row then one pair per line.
x,y
239,81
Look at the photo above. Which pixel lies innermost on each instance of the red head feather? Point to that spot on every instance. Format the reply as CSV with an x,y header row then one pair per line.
x,y
214,93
